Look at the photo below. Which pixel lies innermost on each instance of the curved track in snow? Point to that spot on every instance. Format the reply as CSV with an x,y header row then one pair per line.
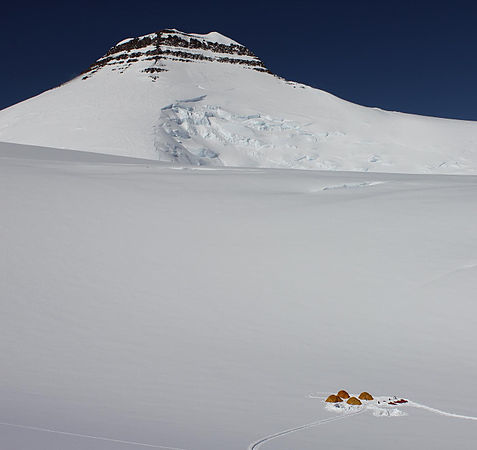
x,y
257,444
86,436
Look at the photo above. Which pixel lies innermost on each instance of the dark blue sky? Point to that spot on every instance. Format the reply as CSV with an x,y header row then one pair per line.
x,y
418,57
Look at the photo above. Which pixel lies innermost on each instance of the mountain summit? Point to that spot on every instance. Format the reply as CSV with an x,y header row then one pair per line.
x,y
205,99
153,50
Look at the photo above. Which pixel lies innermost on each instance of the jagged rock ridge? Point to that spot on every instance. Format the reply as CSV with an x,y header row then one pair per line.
x,y
171,44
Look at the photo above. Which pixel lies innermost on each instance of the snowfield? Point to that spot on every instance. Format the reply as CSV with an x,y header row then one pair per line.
x,y
148,304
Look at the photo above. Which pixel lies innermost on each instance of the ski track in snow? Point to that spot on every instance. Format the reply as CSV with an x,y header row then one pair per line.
x,y
257,444
87,436
442,413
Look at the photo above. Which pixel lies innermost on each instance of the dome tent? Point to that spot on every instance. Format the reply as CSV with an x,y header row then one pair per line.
x,y
353,401
366,396
343,394
333,399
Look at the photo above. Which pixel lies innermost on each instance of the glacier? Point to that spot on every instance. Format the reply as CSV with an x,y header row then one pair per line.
x,y
193,307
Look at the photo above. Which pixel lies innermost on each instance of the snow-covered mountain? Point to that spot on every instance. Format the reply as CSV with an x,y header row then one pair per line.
x,y
206,99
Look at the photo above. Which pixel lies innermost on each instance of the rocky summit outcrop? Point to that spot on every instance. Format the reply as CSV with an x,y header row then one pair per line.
x,y
154,49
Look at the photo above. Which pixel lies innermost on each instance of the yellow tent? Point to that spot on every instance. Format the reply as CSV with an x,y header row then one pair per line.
x,y
366,396
333,399
343,394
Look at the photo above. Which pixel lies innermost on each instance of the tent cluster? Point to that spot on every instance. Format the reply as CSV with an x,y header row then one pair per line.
x,y
343,395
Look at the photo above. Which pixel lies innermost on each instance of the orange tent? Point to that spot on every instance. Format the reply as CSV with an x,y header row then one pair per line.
x,y
353,401
343,394
366,396
333,399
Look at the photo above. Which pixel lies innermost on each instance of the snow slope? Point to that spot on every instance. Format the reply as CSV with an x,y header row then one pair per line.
x,y
205,99
197,308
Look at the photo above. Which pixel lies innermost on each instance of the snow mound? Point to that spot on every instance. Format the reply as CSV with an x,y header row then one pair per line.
x,y
383,412
344,408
